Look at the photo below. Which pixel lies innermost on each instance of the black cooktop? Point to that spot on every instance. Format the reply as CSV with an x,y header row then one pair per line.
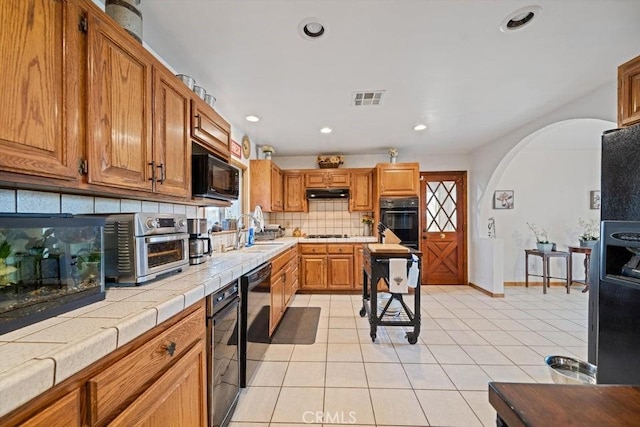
x,y
326,236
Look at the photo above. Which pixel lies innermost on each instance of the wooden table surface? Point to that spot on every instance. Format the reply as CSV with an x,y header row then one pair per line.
x,y
565,405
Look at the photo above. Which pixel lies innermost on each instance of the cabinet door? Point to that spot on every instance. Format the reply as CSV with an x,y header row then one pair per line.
x,y
313,272
276,189
208,128
340,272
315,179
64,412
398,179
337,179
361,190
289,278
119,108
39,86
294,192
277,301
629,93
357,266
177,398
171,142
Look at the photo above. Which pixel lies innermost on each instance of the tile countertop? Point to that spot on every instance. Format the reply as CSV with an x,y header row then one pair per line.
x,y
39,356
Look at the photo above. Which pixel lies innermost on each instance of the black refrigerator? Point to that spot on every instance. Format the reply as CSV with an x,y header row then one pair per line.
x,y
614,300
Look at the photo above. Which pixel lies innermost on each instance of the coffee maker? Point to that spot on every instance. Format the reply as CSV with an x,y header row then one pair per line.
x,y
199,241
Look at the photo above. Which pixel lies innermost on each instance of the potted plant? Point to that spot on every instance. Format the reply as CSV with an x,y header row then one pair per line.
x,y
366,223
590,232
542,241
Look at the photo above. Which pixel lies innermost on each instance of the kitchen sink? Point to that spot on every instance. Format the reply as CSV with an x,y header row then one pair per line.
x,y
268,243
262,247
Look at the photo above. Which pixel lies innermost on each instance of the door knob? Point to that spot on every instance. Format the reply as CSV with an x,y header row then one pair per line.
x,y
442,236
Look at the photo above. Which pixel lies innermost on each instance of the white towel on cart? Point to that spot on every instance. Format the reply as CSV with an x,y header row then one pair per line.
x,y
398,283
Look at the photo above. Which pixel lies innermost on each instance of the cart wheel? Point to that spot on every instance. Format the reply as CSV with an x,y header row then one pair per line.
x,y
363,312
412,338
373,337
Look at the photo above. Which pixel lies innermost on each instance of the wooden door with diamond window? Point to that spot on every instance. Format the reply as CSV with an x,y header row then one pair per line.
x,y
443,238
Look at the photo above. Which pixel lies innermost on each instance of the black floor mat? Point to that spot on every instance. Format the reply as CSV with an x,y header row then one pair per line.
x,y
299,325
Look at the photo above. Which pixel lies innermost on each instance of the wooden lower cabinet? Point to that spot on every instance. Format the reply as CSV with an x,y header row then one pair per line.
x,y
177,398
358,259
64,413
284,284
277,301
158,379
327,267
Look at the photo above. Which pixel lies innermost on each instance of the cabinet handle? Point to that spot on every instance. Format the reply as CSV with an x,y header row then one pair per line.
x,y
163,173
170,348
198,121
152,163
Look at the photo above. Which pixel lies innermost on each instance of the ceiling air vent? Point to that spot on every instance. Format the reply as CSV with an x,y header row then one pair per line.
x,y
372,97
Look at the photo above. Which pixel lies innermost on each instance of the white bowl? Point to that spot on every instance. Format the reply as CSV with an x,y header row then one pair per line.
x,y
394,307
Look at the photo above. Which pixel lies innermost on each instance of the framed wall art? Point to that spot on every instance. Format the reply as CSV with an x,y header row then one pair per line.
x,y
503,199
594,199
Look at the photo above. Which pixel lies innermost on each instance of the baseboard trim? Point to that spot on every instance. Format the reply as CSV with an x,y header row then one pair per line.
x,y
552,283
484,291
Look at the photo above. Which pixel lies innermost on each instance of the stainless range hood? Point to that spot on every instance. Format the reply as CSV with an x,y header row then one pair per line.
x,y
327,193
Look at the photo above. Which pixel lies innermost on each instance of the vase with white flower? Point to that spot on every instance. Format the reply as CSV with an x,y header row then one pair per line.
x,y
590,232
393,155
542,240
367,221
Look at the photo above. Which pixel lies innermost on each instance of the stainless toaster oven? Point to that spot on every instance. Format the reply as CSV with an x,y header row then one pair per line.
x,y
143,246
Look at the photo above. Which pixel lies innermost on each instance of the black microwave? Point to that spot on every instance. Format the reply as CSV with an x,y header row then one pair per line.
x,y
214,179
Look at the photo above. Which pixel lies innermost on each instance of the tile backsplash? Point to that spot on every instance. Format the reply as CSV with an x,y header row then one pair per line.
x,y
27,201
324,217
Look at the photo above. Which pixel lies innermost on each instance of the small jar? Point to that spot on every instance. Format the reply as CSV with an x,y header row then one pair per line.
x,y
127,15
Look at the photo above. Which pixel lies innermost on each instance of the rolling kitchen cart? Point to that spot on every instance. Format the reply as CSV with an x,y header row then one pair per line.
x,y
376,267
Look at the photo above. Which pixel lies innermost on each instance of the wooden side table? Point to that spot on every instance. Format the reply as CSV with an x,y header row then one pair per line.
x,y
587,256
546,275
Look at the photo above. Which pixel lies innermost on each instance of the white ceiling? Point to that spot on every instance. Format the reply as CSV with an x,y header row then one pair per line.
x,y
444,63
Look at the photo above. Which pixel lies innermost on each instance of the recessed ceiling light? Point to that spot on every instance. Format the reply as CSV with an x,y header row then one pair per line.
x,y
311,28
420,127
326,130
520,18
253,119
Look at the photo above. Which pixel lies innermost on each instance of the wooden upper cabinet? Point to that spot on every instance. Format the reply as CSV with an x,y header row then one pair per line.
x,y
332,178
294,192
171,140
209,129
398,179
361,190
629,93
277,201
39,85
265,185
119,143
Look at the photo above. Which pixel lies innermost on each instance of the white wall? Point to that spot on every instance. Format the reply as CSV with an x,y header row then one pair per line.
x,y
490,161
552,177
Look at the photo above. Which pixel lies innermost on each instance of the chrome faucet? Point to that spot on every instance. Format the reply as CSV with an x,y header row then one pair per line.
x,y
240,228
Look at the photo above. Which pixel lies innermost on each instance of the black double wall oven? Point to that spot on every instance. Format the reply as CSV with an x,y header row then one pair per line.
x,y
402,216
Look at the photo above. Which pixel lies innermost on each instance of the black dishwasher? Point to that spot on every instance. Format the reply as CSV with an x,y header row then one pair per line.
x,y
222,355
254,295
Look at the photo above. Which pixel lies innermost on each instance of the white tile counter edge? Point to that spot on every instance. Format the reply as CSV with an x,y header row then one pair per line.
x,y
132,315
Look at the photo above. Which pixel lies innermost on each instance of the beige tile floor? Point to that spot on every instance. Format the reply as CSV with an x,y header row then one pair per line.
x,y
467,339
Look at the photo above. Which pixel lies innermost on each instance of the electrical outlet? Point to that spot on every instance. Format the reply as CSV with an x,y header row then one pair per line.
x,y
532,267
